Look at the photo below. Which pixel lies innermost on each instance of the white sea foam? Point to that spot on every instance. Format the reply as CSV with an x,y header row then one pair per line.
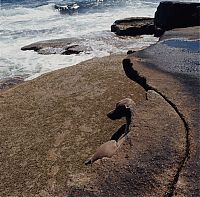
x,y
21,26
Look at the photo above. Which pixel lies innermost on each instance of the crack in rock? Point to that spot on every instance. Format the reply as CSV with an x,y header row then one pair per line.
x,y
142,81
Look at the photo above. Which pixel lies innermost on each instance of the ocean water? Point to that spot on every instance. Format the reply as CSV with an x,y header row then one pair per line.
x,y
23,22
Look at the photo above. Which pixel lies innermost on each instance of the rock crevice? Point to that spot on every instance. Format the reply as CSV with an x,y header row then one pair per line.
x,y
141,80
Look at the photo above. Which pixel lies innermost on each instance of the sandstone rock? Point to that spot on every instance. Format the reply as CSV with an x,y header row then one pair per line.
x,y
145,163
171,68
170,15
50,125
133,26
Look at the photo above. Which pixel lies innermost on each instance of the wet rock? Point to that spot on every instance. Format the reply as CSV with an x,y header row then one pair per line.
x,y
170,15
67,8
50,50
10,82
130,52
75,49
134,26
65,46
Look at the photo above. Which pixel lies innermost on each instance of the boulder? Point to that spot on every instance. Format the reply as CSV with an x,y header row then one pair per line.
x,y
170,15
66,46
67,8
133,26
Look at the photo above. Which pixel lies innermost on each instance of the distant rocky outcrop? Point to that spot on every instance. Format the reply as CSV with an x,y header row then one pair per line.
x,y
66,46
133,26
67,8
170,15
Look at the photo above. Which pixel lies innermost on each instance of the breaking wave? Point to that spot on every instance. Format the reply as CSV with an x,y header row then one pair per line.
x,y
24,22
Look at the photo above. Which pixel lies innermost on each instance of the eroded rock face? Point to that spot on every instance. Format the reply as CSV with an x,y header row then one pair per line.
x,y
133,26
170,15
65,46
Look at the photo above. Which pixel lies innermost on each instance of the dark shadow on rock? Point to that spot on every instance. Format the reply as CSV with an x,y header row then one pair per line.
x,y
130,52
119,133
170,15
133,74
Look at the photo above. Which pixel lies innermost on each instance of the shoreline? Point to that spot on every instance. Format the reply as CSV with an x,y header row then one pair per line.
x,y
10,82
